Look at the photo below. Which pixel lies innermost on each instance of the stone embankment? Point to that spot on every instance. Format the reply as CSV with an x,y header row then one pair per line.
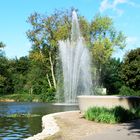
x,y
49,126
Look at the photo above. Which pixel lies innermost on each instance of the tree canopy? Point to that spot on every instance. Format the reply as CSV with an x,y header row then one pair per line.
x,y
105,39
130,72
36,73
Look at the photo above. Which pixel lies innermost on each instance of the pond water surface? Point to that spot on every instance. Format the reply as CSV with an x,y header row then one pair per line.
x,y
18,128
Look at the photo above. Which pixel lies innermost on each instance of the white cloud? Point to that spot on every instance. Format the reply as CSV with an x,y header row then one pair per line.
x,y
107,4
116,2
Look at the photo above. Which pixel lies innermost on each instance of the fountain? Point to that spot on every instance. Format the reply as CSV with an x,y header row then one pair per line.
x,y
75,60
77,81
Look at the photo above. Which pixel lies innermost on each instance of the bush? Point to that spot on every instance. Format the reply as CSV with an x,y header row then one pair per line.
x,y
48,96
126,91
113,115
120,114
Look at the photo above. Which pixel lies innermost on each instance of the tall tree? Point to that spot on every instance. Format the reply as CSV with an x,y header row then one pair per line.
x,y
104,40
130,72
100,36
46,32
111,78
6,85
5,75
19,69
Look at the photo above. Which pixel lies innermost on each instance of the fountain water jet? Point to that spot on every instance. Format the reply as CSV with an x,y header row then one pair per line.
x,y
75,60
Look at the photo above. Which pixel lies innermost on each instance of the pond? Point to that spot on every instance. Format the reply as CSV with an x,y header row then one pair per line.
x,y
18,128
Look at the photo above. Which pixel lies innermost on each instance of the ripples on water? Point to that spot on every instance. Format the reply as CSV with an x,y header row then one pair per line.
x,y
19,128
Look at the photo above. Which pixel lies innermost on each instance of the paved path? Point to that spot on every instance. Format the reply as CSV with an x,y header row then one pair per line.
x,y
125,131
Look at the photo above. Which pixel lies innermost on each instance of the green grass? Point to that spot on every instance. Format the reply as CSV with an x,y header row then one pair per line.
x,y
20,97
21,115
28,97
113,115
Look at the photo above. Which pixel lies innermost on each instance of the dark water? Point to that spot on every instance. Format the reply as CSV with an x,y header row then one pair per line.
x,y
20,128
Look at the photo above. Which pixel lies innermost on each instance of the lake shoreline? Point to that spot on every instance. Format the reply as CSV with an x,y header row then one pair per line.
x,y
12,100
71,125
20,98
63,125
49,125
7,100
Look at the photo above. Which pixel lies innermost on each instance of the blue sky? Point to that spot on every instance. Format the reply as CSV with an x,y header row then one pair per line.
x,y
14,13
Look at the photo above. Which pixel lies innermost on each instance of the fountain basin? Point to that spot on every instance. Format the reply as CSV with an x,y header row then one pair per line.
x,y
127,102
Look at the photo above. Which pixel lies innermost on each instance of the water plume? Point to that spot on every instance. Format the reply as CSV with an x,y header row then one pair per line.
x,y
76,62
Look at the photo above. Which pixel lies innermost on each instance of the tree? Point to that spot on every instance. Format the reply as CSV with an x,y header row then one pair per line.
x,y
2,45
36,77
45,33
6,85
19,69
104,40
100,36
111,78
130,72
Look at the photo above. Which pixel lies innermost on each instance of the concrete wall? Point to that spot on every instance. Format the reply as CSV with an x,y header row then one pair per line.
x,y
107,101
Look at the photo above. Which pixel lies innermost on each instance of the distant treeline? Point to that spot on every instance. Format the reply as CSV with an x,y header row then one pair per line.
x,y
36,74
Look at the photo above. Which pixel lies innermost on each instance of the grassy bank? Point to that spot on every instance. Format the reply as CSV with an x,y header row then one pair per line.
x,y
113,115
20,98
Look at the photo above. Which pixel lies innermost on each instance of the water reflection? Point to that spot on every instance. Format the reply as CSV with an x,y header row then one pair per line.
x,y
20,128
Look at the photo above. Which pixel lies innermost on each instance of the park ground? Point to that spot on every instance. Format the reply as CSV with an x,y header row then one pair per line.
x,y
74,127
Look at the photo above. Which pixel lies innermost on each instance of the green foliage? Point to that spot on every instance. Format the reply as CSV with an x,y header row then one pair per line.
x,y
49,96
2,45
22,115
127,91
120,114
130,72
110,76
35,75
20,97
18,69
44,35
6,85
104,40
114,115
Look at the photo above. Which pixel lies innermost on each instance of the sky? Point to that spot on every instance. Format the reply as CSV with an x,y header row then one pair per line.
x,y
14,15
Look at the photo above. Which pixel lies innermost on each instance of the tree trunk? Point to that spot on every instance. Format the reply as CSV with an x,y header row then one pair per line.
x,y
52,70
50,85
31,90
100,75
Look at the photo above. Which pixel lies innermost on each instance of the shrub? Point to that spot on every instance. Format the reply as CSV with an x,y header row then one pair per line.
x,y
126,91
113,115
48,96
120,114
